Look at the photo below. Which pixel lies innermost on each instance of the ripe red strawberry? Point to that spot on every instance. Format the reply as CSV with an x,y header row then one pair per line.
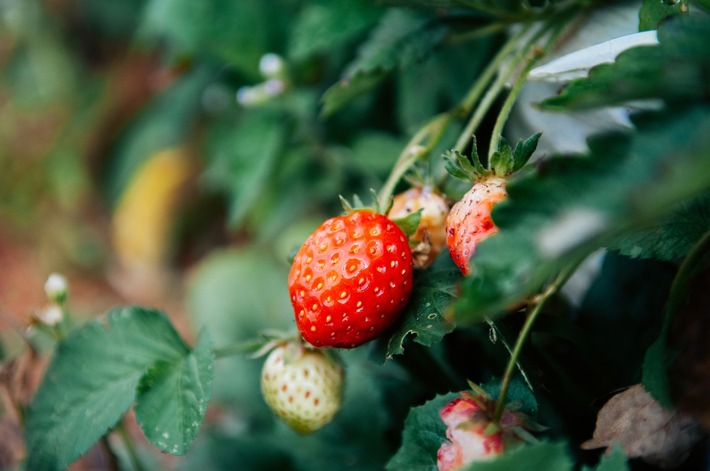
x,y
431,231
350,280
466,419
302,386
469,221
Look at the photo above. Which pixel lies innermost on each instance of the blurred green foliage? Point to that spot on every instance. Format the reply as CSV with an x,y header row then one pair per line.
x,y
91,90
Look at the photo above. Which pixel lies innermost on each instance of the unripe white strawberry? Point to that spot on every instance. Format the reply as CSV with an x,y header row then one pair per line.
x,y
302,386
469,222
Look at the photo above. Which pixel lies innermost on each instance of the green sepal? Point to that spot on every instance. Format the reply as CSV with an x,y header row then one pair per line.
x,y
501,162
459,166
358,205
524,149
409,223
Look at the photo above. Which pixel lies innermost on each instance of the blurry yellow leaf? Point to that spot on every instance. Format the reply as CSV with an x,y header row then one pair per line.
x,y
143,218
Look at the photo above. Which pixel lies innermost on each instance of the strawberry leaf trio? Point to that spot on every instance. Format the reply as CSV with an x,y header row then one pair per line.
x,y
351,280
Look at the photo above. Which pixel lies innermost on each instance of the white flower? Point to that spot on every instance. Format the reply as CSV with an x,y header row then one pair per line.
x,y
56,287
272,66
50,315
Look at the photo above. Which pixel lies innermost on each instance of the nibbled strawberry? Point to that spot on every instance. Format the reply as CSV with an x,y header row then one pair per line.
x,y
350,280
466,423
469,221
302,386
431,231
473,434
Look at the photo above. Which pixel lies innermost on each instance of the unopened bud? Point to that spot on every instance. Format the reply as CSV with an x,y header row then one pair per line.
x,y
272,66
56,288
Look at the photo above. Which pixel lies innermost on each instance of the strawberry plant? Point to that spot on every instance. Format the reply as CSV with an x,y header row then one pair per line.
x,y
527,290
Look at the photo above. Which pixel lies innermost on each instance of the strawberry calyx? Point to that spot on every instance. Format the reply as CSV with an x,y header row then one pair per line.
x,y
515,425
502,163
408,224
292,342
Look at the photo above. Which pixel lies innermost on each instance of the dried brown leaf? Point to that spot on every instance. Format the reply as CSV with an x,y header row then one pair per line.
x,y
644,429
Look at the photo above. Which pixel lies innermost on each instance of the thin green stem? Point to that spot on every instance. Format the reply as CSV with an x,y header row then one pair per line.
x,y
508,104
112,459
531,55
130,447
414,151
481,110
497,86
434,129
490,71
539,303
230,351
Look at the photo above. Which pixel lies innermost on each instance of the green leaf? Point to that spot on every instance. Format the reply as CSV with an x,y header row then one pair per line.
x,y
240,159
442,72
410,223
572,206
518,392
524,149
322,27
92,380
402,38
676,70
236,33
346,90
615,461
423,434
172,398
232,294
672,237
511,10
654,11
425,317
459,166
543,455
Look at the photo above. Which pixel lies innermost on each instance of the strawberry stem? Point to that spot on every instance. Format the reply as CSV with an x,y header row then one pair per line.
x,y
133,457
539,303
413,151
493,90
530,56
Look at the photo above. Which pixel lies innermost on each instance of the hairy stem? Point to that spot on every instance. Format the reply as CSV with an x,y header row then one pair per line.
x,y
530,57
538,304
413,151
479,87
135,460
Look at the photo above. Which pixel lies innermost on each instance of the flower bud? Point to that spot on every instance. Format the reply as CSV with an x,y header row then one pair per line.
x,y
56,288
50,315
272,66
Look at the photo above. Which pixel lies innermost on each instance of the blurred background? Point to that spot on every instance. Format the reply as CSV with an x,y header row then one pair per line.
x,y
172,153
